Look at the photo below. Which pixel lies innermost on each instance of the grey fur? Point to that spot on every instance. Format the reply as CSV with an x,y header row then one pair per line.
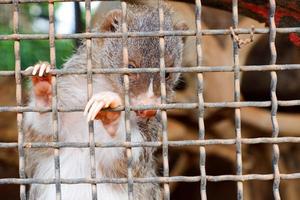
x,y
107,53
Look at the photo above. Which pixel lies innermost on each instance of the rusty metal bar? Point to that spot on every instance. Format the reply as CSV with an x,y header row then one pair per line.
x,y
163,93
219,178
198,69
202,156
274,101
43,1
260,140
205,32
200,104
237,97
89,94
168,106
18,78
54,99
127,101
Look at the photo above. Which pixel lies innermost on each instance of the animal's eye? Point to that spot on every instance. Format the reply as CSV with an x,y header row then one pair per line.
x,y
167,75
133,76
130,66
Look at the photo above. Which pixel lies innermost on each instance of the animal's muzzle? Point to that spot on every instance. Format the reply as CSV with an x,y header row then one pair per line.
x,y
146,113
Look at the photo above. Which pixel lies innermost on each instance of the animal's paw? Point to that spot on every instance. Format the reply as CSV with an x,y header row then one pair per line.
x,y
40,69
100,101
41,81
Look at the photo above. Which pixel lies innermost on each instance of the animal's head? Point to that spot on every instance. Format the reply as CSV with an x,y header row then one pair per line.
x,y
143,52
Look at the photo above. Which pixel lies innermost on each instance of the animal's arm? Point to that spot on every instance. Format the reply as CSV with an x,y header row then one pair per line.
x,y
41,82
100,101
41,97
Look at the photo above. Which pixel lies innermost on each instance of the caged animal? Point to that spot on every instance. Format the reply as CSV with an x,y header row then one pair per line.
x,y
108,92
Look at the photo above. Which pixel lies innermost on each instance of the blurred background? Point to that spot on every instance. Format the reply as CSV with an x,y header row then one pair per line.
x,y
182,124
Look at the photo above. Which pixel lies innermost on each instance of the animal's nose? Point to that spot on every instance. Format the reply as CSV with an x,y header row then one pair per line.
x,y
146,113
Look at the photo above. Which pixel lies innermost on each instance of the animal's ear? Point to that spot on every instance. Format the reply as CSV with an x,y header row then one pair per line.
x,y
181,26
112,20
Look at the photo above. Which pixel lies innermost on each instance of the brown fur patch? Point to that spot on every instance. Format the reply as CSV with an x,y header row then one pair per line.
x,y
113,17
107,117
34,155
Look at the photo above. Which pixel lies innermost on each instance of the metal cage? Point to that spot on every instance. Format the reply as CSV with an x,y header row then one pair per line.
x,y
202,142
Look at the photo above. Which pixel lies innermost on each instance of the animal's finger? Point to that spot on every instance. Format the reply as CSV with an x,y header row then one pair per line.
x,y
88,114
91,111
96,110
48,68
35,69
88,105
115,103
28,68
42,69
107,100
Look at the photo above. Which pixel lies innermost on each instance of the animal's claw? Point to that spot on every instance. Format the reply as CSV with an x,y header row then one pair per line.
x,y
40,69
100,101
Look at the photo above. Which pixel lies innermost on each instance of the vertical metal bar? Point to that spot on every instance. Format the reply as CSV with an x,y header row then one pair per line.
x,y
54,98
90,93
201,125
274,101
127,100
237,95
163,101
18,79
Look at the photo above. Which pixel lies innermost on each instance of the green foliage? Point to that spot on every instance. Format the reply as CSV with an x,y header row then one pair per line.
x,y
39,50
7,55
5,29
31,51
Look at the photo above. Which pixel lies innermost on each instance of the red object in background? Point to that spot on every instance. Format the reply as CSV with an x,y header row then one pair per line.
x,y
287,12
288,16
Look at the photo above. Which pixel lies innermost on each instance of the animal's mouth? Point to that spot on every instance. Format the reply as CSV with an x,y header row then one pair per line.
x,y
143,100
146,113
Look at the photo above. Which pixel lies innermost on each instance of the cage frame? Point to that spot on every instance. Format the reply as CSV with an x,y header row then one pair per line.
x,y
237,104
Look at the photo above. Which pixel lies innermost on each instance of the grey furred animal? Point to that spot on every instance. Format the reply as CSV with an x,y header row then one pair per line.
x,y
108,90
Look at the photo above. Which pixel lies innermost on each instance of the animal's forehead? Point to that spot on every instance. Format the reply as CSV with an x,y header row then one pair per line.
x,y
146,45
143,25
149,22
149,48
146,50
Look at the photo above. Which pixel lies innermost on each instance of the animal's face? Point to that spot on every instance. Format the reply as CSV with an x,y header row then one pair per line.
x,y
143,52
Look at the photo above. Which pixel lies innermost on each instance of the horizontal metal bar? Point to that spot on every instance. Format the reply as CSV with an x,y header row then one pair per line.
x,y
204,32
169,106
198,69
261,140
219,178
45,1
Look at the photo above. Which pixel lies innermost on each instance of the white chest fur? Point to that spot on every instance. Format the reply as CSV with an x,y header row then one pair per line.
x,y
75,162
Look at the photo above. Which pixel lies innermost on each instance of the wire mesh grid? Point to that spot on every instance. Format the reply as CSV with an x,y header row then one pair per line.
x,y
203,178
